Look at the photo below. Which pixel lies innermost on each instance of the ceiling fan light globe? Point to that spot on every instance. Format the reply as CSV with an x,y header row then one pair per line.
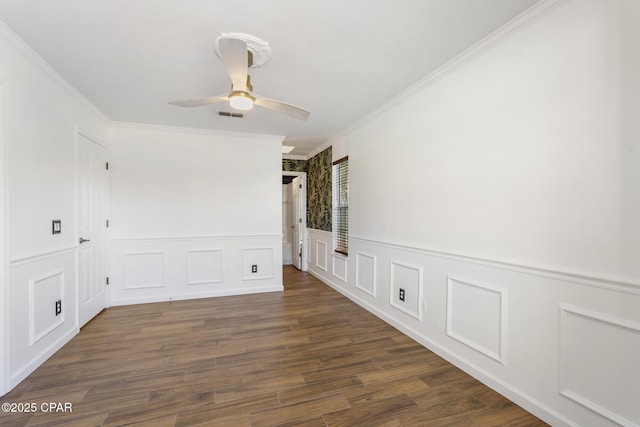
x,y
241,101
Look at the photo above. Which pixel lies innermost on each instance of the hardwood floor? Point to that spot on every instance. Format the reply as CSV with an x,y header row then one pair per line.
x,y
303,357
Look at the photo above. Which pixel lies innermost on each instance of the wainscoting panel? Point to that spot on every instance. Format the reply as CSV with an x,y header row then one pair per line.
x,y
366,273
35,331
173,268
144,270
408,280
43,290
500,323
600,363
259,258
476,316
204,266
321,255
340,267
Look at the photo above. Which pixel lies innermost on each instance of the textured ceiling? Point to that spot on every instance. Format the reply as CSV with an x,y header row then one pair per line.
x,y
341,59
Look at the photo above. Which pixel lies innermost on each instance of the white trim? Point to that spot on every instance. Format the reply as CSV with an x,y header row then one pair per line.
x,y
250,276
344,259
563,383
204,282
318,243
521,22
374,259
304,260
38,360
500,355
184,238
196,295
193,131
33,338
514,394
392,289
125,286
44,66
38,256
4,242
587,279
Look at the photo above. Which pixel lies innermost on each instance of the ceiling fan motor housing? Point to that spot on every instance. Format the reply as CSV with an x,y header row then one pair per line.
x,y
258,50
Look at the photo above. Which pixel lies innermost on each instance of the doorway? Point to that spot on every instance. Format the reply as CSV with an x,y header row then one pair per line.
x,y
294,219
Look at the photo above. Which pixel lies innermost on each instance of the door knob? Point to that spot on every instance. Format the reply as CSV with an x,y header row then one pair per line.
x,y
82,240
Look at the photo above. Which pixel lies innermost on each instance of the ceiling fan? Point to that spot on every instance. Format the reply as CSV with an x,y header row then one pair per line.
x,y
237,57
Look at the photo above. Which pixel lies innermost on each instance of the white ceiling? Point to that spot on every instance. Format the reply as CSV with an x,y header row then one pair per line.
x,y
341,59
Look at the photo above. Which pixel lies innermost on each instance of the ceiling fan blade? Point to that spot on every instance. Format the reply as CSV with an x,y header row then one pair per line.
x,y
200,102
282,107
236,61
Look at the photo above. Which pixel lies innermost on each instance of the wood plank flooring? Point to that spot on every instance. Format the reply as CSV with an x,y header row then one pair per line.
x,y
303,357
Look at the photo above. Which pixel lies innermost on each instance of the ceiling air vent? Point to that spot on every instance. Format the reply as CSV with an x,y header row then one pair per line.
x,y
228,114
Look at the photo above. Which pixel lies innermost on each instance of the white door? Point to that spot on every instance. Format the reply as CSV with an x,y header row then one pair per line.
x,y
296,238
92,228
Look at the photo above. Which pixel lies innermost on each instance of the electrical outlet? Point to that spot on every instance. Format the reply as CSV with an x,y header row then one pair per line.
x,y
401,295
254,268
58,307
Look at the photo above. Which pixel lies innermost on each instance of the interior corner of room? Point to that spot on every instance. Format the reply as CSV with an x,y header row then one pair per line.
x,y
492,217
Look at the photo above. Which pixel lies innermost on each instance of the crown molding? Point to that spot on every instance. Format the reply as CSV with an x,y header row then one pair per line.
x,y
526,19
43,65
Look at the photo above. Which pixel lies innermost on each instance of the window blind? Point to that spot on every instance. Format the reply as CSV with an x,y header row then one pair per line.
x,y
341,205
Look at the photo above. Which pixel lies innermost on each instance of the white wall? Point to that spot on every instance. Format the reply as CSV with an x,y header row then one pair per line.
x,y
503,194
191,211
42,116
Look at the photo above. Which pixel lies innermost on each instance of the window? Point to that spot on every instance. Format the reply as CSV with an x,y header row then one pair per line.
x,y
341,205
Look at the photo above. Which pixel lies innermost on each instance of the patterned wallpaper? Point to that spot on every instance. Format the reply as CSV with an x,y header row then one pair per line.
x,y
290,165
319,191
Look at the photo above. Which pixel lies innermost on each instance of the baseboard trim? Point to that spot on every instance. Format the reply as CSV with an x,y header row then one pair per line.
x,y
199,295
37,361
515,395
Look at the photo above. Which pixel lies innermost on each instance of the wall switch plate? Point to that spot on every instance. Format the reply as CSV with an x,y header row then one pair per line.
x,y
401,295
254,268
56,226
58,307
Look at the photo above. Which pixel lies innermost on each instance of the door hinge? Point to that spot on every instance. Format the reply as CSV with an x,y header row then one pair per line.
x,y
107,281
300,220
107,224
107,165
299,185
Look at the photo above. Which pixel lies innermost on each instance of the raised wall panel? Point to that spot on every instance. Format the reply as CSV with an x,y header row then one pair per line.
x,y
408,278
144,270
44,291
600,363
340,267
476,316
321,255
204,266
262,258
366,273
